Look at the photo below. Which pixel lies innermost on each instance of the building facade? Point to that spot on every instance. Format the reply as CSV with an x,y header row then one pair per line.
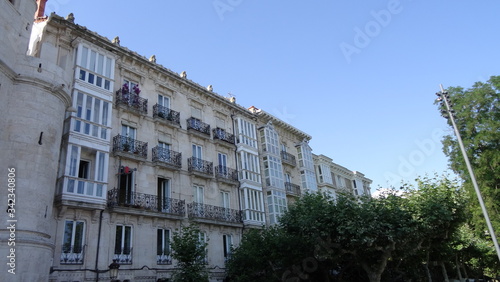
x,y
112,153
334,179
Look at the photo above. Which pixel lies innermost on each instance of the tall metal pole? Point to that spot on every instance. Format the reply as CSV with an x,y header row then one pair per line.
x,y
444,96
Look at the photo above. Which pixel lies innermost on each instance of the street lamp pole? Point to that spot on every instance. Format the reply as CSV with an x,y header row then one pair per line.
x,y
444,97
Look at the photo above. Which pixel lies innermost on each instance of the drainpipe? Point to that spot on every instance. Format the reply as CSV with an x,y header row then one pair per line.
x,y
98,247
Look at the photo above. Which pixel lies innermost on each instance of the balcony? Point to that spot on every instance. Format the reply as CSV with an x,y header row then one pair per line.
x,y
226,174
202,211
200,167
166,114
147,202
128,147
132,101
72,254
288,158
167,158
221,134
198,126
292,189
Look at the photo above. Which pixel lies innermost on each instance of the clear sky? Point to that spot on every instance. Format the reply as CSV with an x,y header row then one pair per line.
x,y
358,76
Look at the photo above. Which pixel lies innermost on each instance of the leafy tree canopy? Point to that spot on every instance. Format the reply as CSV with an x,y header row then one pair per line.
x,y
477,115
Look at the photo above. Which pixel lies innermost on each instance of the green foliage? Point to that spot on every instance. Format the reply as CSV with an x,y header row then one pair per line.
x,y
355,239
190,254
478,120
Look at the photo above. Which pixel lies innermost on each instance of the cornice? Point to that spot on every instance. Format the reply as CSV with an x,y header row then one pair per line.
x,y
266,117
147,66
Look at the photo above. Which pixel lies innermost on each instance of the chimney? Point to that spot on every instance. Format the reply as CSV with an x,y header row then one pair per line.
x,y
40,11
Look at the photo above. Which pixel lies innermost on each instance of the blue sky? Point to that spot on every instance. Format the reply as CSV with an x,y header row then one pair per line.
x,y
358,76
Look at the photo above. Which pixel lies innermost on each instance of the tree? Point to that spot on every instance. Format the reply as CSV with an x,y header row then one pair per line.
x,y
324,239
477,112
190,253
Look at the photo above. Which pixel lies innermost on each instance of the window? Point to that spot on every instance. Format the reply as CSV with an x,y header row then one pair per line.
x,y
83,171
307,167
325,175
227,243
197,161
273,171
164,101
95,68
222,159
225,204
253,205
276,201
249,166
246,133
80,179
198,194
270,141
72,249
92,116
123,244
164,194
202,241
126,185
163,247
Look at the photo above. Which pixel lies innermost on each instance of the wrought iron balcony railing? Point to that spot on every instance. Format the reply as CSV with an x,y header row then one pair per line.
x,y
132,101
126,144
198,125
123,255
288,158
145,202
167,156
226,173
72,254
197,210
163,259
292,189
223,135
199,165
163,112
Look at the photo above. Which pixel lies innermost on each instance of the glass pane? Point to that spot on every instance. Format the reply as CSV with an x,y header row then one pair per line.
x,y
100,64
128,240
104,113
78,244
118,239
98,191
83,61
73,161
92,62
159,241
107,73
68,232
82,75
81,187
71,186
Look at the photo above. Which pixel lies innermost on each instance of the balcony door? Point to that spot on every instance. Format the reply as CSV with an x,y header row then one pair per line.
x,y
197,157
164,194
129,135
222,158
126,186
